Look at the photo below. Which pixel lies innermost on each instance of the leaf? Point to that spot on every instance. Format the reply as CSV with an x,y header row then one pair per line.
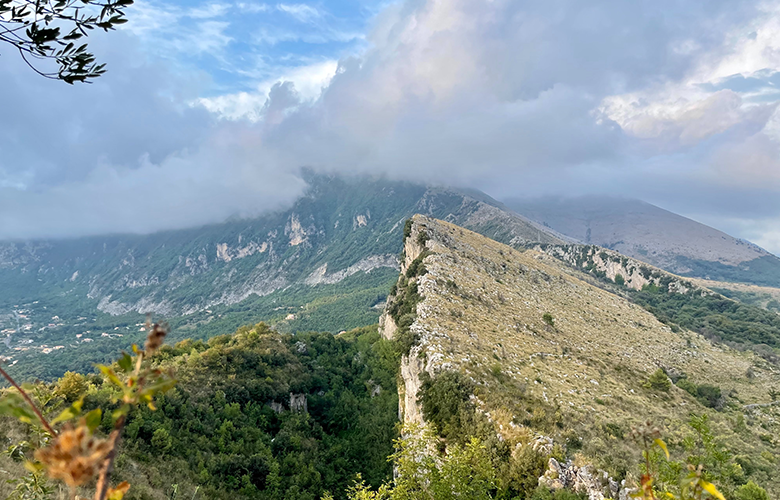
x,y
93,418
33,467
109,372
119,492
120,412
125,362
13,405
69,413
712,490
662,445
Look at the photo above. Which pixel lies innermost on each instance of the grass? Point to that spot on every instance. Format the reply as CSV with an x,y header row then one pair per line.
x,y
590,370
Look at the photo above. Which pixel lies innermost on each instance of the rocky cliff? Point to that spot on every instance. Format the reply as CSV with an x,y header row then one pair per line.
x,y
540,344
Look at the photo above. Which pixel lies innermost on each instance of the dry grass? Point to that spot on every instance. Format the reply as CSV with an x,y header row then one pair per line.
x,y
482,314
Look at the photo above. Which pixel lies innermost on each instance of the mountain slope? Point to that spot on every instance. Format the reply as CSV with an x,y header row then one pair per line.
x,y
553,356
323,264
656,236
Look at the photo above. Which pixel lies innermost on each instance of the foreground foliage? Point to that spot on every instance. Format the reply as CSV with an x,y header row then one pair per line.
x,y
256,414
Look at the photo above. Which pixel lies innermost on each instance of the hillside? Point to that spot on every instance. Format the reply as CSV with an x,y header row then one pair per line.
x,y
656,236
324,264
527,369
549,355
254,415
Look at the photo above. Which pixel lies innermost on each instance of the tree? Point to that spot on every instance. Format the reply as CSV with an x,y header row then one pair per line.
x,y
71,386
659,381
48,30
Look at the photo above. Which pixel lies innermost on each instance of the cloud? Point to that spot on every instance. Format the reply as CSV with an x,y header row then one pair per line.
x,y
673,102
126,153
308,82
301,12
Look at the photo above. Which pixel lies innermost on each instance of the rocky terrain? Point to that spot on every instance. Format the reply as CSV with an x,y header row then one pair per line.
x,y
656,236
527,327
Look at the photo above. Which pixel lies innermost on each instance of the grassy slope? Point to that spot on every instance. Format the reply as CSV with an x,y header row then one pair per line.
x,y
587,372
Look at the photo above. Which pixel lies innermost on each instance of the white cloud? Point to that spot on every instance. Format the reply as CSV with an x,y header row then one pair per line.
x,y
635,98
302,12
308,81
253,7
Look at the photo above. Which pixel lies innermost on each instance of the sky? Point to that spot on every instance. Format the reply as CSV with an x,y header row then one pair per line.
x,y
210,109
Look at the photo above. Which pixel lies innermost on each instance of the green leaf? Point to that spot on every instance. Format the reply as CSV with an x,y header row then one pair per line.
x,y
13,405
120,412
69,413
125,362
33,467
93,418
109,372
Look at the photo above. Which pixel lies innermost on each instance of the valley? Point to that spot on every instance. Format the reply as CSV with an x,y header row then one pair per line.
x,y
546,350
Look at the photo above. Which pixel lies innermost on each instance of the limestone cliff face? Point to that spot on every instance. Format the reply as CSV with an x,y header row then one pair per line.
x,y
481,312
636,274
412,365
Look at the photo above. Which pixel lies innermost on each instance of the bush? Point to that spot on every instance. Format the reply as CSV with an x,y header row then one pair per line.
x,y
709,395
548,319
544,493
71,386
161,441
443,399
619,280
751,491
659,381
687,386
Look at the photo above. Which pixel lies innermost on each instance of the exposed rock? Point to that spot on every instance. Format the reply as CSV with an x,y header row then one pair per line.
x,y
298,403
320,276
225,253
586,479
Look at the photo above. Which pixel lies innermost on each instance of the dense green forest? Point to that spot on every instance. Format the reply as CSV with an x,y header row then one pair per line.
x,y
260,415
714,316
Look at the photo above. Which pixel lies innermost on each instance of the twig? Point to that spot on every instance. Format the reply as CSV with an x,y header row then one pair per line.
x,y
29,401
101,489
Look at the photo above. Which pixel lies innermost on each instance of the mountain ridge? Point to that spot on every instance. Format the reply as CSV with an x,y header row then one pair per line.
x,y
528,333
649,233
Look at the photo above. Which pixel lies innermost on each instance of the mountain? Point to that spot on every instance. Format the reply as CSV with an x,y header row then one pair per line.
x,y
656,236
549,358
519,373
324,264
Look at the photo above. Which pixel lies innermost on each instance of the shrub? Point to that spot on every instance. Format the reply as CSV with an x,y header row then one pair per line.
x,y
659,381
161,441
709,395
71,386
751,491
408,228
548,319
619,280
687,386
544,493
443,398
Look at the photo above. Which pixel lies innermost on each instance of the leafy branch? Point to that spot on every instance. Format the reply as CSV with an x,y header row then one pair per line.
x,y
75,455
48,30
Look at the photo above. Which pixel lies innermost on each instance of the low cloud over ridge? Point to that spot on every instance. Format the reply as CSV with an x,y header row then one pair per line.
x,y
674,103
